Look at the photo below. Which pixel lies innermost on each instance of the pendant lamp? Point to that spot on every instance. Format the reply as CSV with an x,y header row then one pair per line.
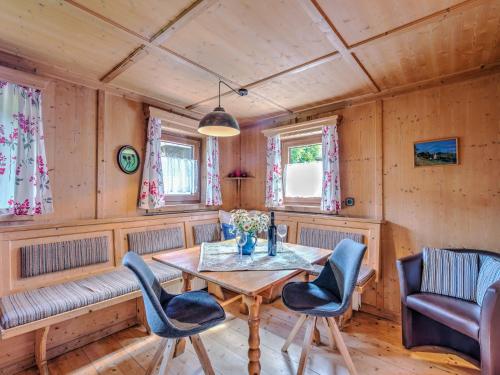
x,y
219,123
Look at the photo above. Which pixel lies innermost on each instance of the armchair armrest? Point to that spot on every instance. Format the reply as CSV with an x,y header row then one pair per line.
x,y
489,334
410,275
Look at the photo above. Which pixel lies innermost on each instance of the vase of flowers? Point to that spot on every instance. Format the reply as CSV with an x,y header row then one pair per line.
x,y
249,223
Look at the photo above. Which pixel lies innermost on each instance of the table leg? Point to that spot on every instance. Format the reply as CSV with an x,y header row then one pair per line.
x,y
180,345
253,304
186,281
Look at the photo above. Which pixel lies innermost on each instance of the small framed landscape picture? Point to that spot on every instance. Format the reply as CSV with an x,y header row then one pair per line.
x,y
436,152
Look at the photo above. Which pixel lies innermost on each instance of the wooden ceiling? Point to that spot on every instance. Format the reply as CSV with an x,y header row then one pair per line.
x,y
290,54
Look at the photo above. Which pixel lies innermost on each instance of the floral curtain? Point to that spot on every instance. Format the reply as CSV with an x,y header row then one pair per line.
x,y
152,193
213,196
330,194
24,179
274,179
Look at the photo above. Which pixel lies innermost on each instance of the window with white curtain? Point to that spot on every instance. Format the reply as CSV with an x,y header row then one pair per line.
x,y
302,170
180,159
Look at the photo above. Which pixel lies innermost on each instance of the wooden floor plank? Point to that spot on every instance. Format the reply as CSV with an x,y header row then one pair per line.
x,y
374,344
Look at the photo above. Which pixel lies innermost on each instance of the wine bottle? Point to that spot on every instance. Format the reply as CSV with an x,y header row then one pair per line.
x,y
271,237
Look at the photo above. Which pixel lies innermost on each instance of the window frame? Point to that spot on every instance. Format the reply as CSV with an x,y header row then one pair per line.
x,y
196,143
286,144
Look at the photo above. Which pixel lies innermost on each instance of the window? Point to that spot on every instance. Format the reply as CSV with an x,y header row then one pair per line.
x,y
303,170
180,158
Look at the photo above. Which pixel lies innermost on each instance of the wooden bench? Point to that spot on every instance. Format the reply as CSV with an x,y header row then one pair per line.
x,y
42,326
38,309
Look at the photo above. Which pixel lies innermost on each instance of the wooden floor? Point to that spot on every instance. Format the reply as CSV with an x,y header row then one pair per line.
x,y
373,343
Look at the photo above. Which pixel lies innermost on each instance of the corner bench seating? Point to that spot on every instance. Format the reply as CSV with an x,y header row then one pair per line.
x,y
20,309
328,239
38,309
38,257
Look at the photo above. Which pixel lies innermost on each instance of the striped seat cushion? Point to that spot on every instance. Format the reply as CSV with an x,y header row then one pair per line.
x,y
206,233
489,274
450,273
25,307
45,258
324,238
152,241
365,272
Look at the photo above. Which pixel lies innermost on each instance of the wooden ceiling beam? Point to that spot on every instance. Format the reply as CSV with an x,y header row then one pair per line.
x,y
319,17
138,54
329,57
334,105
155,43
196,8
434,17
431,18
42,69
184,17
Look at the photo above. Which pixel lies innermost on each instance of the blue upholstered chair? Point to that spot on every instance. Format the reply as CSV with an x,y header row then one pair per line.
x,y
325,298
174,316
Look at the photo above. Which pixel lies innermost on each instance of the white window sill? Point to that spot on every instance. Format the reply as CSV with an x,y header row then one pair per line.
x,y
182,207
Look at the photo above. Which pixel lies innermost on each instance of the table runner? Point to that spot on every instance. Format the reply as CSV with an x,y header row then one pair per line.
x,y
223,256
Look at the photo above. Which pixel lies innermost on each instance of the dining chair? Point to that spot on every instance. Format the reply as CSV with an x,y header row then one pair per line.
x,y
325,298
174,316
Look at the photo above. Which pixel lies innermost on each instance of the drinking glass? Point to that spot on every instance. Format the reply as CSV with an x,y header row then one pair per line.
x,y
241,240
281,231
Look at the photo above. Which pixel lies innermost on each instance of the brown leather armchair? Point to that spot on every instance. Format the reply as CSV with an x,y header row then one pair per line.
x,y
431,319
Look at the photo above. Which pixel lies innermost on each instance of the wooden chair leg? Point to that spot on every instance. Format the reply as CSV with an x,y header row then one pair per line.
x,y
341,345
41,350
202,354
316,335
141,315
294,332
168,355
157,357
331,340
306,346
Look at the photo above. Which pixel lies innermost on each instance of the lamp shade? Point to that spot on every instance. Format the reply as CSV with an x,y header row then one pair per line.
x,y
219,123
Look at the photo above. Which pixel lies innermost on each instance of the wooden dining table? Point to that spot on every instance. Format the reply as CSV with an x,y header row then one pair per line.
x,y
249,284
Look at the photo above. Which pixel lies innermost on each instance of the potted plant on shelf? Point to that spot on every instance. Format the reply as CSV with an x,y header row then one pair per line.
x,y
249,223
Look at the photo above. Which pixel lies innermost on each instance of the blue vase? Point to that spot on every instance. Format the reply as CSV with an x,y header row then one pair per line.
x,y
249,247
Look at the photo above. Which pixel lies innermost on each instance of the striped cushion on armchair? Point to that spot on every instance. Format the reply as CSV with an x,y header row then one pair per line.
x,y
450,273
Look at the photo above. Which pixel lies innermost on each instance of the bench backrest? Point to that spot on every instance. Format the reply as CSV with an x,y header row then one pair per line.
x,y
326,238
153,241
206,232
39,259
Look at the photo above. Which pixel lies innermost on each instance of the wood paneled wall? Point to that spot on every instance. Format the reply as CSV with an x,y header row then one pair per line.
x,y
357,144
446,206
441,206
70,115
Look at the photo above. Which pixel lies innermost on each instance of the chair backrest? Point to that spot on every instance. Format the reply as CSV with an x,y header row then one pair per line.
x,y
341,271
153,294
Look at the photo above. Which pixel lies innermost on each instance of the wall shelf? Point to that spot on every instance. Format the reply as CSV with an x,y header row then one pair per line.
x,y
238,186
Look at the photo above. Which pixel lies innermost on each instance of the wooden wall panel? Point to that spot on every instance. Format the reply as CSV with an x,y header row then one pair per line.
x,y
357,135
452,206
229,160
253,161
455,206
70,139
75,156
125,125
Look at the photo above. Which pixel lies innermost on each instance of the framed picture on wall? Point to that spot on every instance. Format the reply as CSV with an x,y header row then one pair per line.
x,y
436,152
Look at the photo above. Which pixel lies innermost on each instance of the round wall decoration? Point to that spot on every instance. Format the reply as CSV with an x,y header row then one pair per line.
x,y
128,159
